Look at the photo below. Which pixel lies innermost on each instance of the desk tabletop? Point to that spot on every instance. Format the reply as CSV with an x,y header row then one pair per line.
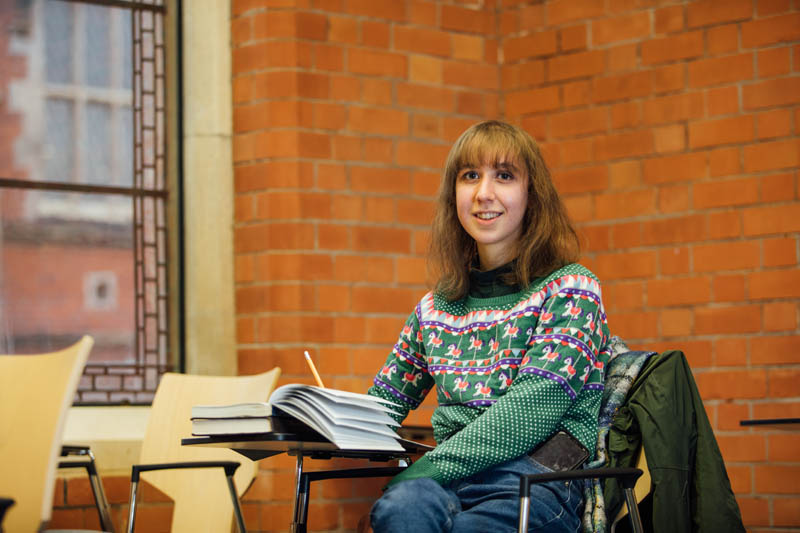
x,y
262,445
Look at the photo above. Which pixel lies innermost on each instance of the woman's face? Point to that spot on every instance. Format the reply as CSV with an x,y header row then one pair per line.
x,y
491,200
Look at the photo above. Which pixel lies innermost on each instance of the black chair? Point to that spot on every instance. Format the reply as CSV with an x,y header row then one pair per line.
x,y
5,503
626,476
88,463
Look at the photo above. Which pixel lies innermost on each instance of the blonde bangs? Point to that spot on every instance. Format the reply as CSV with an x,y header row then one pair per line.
x,y
490,146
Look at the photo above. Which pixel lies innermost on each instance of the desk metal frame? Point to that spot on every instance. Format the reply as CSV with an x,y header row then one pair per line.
x,y
262,445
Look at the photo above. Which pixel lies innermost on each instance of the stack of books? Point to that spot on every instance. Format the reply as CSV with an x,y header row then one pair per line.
x,y
349,420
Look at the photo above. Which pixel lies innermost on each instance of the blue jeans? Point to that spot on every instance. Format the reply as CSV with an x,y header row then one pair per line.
x,y
487,502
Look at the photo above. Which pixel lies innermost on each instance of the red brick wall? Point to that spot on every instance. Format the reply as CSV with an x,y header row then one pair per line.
x,y
672,132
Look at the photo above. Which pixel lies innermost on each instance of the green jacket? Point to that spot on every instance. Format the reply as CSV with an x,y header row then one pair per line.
x,y
690,488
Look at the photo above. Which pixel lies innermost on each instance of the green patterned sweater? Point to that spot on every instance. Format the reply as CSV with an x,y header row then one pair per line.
x,y
509,371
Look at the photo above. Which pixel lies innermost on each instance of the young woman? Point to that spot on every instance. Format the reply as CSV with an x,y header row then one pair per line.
x,y
514,340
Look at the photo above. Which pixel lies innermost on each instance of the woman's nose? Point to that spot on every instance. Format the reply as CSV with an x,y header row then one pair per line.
x,y
485,189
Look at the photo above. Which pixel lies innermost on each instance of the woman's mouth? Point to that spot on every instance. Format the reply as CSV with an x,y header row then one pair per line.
x,y
487,215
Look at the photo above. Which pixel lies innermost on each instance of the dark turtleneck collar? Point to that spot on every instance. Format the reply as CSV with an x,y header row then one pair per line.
x,y
488,284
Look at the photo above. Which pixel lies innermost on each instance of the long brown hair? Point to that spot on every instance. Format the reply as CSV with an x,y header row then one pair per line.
x,y
548,240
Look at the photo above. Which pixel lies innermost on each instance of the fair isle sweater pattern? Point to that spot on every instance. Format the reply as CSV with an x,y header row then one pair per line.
x,y
527,364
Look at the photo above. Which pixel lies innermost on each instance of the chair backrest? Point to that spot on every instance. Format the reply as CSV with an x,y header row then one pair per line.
x,y
35,393
202,500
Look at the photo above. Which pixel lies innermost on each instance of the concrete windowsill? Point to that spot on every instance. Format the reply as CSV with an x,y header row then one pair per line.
x,y
114,433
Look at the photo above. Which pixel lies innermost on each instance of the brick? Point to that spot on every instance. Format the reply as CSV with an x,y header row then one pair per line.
x,y
622,28
470,75
775,284
777,92
665,49
572,38
532,101
729,288
541,43
717,384
740,478
342,29
576,93
580,122
726,193
672,168
669,78
625,204
669,19
780,316
382,9
624,174
378,239
708,12
771,155
672,230
345,88
724,162
624,57
423,41
674,260
577,65
380,180
581,180
381,121
568,153
777,479
774,62
782,383
673,108
626,115
776,123
328,57
755,511
758,33
471,103
722,101
626,265
725,224
377,63
425,97
743,448
723,39
784,512
622,86
731,351
728,320
375,34
781,251
562,11
629,144
579,208
783,446
419,154
636,325
729,415
676,322
291,266
776,410
466,19
777,188
595,238
673,199
671,138
770,220
718,70
624,295
678,291
726,256
721,131
467,47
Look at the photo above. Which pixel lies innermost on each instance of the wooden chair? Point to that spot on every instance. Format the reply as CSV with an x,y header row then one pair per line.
x,y
203,502
35,393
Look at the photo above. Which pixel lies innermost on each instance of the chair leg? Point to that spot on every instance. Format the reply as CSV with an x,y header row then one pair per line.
x,y
132,510
633,511
237,509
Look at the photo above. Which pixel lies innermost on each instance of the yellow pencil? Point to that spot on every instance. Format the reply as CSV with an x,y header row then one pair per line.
x,y
314,370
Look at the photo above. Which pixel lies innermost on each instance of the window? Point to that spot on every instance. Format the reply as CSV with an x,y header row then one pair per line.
x,y
83,188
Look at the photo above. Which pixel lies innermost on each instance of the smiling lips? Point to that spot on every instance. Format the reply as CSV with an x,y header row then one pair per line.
x,y
490,215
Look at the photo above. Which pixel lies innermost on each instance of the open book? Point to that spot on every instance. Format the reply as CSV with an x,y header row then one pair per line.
x,y
347,419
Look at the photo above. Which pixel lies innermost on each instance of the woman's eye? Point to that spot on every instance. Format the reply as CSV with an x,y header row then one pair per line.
x,y
505,176
470,175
